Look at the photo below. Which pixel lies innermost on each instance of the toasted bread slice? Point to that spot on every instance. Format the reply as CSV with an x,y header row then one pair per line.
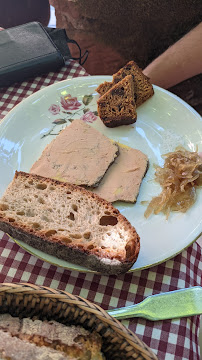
x,y
104,87
143,89
117,106
123,179
68,222
80,155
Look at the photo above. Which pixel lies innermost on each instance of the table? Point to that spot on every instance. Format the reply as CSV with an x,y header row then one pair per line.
x,y
176,339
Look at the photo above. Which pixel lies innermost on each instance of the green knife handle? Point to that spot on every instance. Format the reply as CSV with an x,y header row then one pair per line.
x,y
168,305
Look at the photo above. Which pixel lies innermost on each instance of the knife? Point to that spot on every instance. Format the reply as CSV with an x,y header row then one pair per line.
x,y
168,305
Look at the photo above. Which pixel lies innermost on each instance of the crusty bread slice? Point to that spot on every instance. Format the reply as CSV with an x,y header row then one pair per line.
x,y
13,348
117,106
74,341
79,155
68,222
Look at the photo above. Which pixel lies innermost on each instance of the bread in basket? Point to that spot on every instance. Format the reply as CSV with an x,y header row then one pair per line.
x,y
25,300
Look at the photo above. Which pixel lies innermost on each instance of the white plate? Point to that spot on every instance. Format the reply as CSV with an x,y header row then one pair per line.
x,y
163,123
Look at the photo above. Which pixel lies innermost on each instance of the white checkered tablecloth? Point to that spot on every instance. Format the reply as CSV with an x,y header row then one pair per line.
x,y
176,339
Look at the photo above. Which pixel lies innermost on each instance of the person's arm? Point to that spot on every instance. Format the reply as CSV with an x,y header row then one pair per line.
x,y
179,62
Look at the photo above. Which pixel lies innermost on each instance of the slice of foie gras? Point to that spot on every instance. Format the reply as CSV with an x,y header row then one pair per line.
x,y
123,179
79,155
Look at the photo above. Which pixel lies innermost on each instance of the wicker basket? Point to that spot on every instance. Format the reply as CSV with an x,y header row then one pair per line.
x,y
27,300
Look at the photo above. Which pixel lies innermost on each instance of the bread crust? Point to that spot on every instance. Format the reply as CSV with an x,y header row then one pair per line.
x,y
122,120
68,253
53,245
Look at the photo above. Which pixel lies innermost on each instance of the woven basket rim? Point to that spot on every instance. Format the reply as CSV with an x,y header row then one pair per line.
x,y
85,305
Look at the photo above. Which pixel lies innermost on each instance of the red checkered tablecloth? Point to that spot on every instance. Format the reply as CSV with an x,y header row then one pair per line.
x,y
176,339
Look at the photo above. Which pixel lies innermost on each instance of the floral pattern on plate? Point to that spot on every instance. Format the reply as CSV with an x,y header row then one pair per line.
x,y
69,107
